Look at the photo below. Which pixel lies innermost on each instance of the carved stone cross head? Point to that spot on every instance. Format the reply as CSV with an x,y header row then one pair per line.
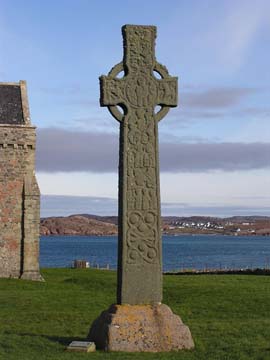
x,y
139,88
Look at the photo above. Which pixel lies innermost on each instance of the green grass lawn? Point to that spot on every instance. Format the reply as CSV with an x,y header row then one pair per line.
x,y
228,315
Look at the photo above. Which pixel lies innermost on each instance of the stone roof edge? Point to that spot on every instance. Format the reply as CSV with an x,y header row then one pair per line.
x,y
10,83
21,126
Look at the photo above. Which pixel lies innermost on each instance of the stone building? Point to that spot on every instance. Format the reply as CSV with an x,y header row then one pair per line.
x,y
19,191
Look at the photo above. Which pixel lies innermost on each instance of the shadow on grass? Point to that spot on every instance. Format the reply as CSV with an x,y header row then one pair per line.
x,y
221,272
62,340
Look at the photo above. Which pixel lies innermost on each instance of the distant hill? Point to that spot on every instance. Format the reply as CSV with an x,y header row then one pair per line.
x,y
107,219
76,225
88,224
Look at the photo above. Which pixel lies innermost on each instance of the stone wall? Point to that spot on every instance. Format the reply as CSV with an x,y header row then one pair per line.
x,y
19,202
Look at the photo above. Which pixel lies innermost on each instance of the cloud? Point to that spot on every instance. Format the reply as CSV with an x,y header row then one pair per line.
x,y
178,209
67,151
214,156
216,103
214,109
187,115
96,121
62,150
215,98
255,111
232,33
62,205
62,90
241,26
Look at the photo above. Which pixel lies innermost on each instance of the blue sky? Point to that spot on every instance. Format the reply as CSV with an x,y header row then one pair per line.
x,y
214,147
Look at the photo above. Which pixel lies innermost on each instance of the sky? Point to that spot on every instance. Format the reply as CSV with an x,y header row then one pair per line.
x,y
214,147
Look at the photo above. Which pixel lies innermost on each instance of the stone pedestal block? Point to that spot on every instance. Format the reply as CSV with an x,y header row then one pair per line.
x,y
140,328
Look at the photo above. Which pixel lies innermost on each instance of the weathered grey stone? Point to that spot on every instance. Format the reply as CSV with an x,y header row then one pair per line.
x,y
19,192
138,92
149,328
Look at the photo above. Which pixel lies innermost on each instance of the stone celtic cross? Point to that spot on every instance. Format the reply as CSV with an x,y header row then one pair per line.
x,y
138,94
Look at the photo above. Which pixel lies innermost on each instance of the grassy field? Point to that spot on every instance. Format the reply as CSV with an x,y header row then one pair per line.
x,y
229,315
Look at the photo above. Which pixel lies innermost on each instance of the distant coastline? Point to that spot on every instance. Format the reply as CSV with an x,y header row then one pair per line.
x,y
94,225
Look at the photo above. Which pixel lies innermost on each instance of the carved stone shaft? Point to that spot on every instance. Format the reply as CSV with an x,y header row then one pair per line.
x,y
138,93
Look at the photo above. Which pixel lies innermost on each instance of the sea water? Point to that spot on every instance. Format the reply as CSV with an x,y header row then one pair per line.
x,y
179,252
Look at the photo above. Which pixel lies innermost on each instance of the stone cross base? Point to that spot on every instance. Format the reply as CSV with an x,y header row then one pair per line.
x,y
32,275
140,328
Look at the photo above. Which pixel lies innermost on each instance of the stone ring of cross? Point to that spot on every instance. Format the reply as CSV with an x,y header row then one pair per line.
x,y
158,68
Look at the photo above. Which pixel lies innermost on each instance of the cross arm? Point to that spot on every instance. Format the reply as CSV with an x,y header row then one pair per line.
x,y
111,91
168,91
